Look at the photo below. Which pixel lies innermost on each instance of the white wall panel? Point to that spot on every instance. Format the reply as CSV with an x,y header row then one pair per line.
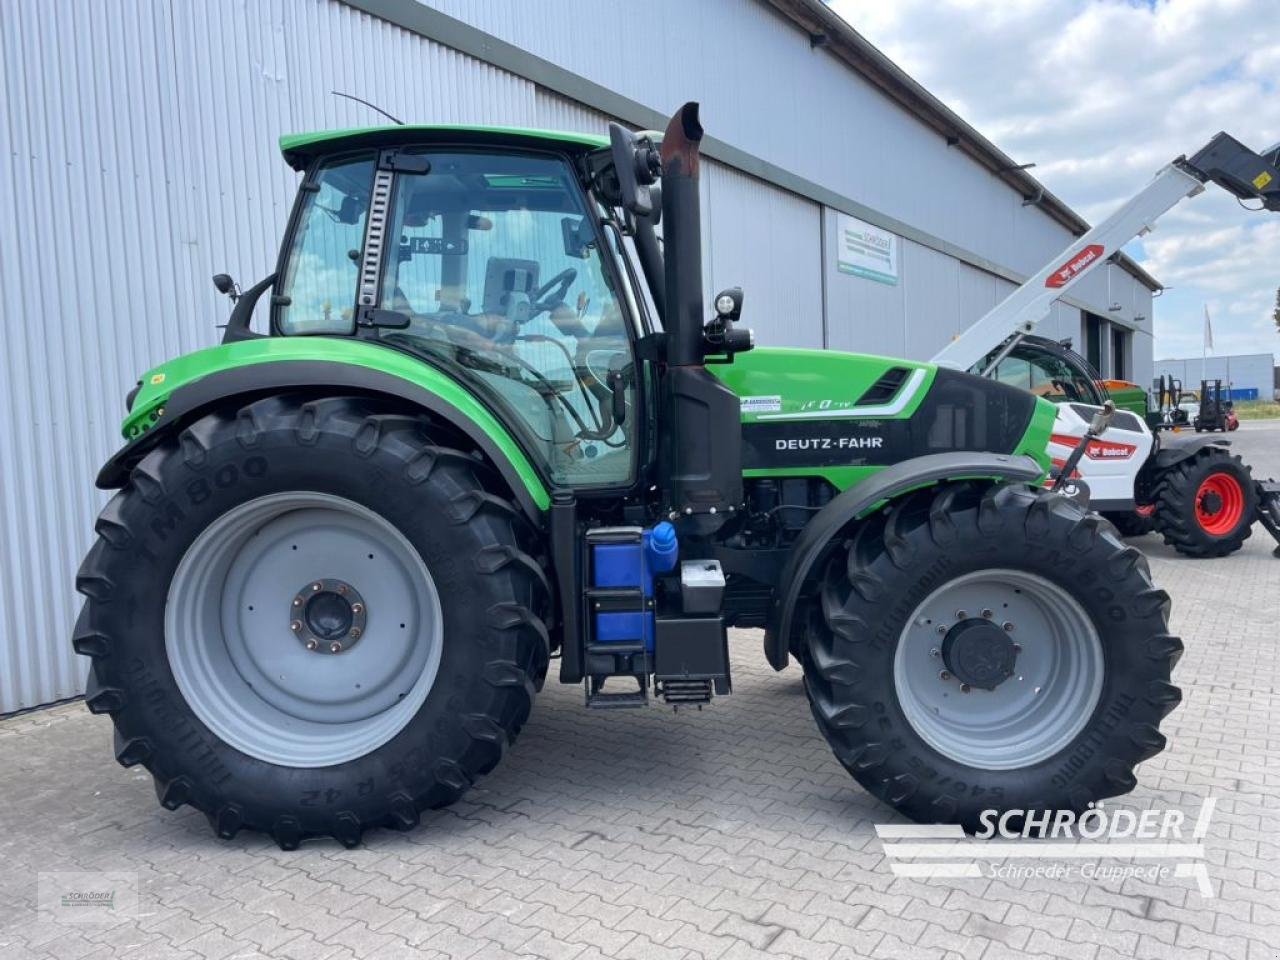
x,y
140,159
768,242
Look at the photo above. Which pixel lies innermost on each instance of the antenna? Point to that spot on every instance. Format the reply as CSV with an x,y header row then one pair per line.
x,y
339,93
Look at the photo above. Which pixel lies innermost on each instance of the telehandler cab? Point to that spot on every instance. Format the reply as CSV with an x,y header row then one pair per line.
x,y
490,425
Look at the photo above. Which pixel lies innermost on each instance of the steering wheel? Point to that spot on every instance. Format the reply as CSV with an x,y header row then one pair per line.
x,y
544,298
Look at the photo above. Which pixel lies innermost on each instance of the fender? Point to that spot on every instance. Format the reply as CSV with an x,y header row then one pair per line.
x,y
173,410
818,536
1182,447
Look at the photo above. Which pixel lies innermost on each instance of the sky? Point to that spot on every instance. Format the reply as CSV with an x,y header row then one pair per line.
x,y
1100,94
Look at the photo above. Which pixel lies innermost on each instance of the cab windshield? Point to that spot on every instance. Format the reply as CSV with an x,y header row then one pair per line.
x,y
493,266
1047,375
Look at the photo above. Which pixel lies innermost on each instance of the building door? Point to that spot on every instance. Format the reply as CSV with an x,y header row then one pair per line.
x,y
1120,353
1093,340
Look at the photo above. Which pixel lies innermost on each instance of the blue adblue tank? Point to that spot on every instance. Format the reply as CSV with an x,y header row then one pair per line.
x,y
631,566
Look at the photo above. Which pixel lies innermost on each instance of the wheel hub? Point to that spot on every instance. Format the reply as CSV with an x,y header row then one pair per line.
x,y
979,653
328,616
1211,503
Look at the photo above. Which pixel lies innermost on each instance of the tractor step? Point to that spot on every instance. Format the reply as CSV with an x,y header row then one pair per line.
x,y
599,699
680,693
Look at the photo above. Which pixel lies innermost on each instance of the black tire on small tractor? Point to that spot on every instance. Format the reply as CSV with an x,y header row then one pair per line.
x,y
1206,504
1131,523
876,624
438,509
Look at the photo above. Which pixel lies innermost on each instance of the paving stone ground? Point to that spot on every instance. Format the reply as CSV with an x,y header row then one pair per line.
x,y
726,834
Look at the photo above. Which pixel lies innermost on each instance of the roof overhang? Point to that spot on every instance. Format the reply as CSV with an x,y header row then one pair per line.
x,y
300,149
830,30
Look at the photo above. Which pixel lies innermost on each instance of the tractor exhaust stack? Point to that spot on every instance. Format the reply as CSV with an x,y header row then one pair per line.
x,y
682,234
701,453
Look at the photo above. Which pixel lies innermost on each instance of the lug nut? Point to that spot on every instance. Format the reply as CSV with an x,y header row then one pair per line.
x,y
357,608
355,633
961,615
315,587
1017,648
342,588
311,644
335,647
944,675
942,631
935,652
1007,626
297,601
964,688
987,614
295,626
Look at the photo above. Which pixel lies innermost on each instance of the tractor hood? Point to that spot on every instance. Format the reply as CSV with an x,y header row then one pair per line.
x,y
844,415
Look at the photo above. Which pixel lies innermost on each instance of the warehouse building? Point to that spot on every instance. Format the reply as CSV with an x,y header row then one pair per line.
x,y
1249,376
857,212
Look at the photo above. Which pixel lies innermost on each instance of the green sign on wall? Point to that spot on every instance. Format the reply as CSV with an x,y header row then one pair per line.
x,y
866,251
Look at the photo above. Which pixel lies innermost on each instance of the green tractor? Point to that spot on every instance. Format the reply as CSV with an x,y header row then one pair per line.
x,y
490,428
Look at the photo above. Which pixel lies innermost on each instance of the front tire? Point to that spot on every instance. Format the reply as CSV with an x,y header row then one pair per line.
x,y
1206,504
1131,523
306,618
913,675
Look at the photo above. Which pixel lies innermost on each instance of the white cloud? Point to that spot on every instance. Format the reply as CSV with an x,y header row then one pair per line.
x,y
1100,94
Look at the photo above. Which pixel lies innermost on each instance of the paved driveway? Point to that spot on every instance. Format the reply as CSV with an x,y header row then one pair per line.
x,y
729,833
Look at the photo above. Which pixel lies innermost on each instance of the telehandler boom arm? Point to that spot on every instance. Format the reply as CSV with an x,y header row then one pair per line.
x,y
1224,160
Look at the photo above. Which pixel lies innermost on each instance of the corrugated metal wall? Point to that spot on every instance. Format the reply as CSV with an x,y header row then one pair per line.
x,y
141,159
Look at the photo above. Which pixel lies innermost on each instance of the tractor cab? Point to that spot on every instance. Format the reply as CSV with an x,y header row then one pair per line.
x,y
495,266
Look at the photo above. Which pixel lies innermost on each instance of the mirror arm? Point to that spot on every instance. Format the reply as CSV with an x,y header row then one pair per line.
x,y
652,265
238,323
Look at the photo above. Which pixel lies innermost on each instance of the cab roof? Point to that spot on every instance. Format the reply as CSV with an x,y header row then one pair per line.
x,y
300,149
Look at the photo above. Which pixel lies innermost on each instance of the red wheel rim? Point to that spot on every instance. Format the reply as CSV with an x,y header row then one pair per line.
x,y
1219,504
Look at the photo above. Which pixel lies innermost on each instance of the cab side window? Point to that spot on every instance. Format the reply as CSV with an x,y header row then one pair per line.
x,y
319,279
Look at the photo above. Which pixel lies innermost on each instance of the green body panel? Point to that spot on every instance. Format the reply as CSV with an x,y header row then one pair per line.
x,y
159,382
812,380
805,384
299,147
804,380
1035,442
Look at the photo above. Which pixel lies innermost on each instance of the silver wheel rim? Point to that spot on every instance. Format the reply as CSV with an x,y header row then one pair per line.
x,y
242,663
1034,713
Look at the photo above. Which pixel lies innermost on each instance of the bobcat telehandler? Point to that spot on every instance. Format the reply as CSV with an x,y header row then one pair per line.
x,y
1201,498
490,428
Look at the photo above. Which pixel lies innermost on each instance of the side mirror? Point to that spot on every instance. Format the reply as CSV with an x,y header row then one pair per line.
x,y
1102,419
637,165
223,283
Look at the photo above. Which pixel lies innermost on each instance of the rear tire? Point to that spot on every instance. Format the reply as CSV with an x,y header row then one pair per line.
x,y
452,651
1206,504
907,732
